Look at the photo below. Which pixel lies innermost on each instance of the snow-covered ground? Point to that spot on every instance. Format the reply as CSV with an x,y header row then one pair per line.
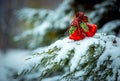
x,y
10,63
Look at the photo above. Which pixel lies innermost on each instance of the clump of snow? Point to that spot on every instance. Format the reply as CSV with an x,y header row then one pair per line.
x,y
56,78
82,49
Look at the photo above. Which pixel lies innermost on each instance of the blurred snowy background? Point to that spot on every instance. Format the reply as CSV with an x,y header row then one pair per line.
x,y
27,25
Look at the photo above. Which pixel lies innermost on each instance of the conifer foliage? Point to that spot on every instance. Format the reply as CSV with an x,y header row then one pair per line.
x,y
93,58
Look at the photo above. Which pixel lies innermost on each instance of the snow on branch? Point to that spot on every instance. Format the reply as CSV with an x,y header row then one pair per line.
x,y
88,59
100,10
111,27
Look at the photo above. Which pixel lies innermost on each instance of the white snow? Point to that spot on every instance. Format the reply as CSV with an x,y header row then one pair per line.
x,y
14,59
96,15
110,26
10,63
66,45
42,28
80,48
28,64
113,50
100,9
56,78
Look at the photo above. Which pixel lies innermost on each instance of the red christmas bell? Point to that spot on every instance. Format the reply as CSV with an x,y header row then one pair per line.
x,y
81,28
76,35
92,28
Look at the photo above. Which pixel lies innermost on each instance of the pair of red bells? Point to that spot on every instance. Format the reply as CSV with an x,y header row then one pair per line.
x,y
80,27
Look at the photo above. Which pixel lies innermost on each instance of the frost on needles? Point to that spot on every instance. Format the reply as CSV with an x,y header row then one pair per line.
x,y
91,59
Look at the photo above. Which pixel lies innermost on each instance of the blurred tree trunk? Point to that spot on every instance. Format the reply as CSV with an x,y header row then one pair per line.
x,y
7,20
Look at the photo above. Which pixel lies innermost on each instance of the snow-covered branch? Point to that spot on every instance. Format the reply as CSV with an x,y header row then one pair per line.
x,y
88,59
112,27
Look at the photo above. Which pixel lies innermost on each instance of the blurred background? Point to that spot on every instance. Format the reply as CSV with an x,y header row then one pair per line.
x,y
19,16
9,22
26,25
